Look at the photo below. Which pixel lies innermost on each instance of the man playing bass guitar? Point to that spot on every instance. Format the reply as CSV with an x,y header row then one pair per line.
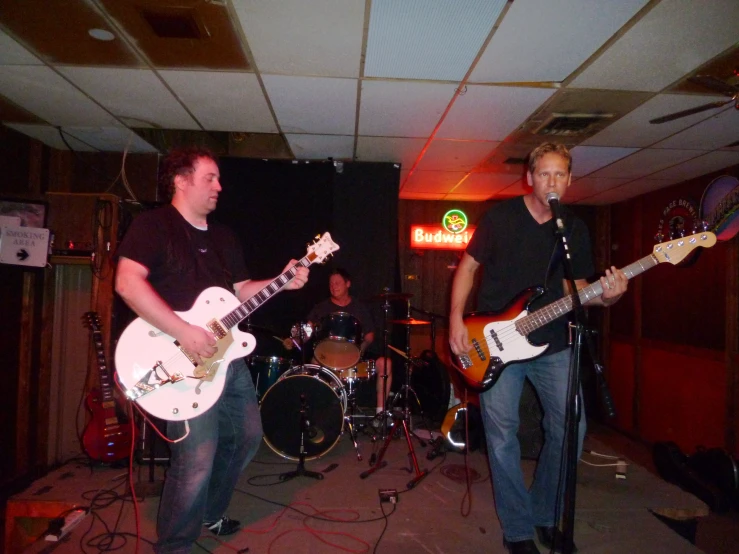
x,y
517,247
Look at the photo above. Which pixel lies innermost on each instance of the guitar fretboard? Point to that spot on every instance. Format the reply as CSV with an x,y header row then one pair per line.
x,y
242,312
564,305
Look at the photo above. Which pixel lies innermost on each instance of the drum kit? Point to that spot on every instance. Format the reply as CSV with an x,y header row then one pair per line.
x,y
319,394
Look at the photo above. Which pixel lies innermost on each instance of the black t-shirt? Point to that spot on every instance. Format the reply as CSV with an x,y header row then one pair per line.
x,y
183,260
515,252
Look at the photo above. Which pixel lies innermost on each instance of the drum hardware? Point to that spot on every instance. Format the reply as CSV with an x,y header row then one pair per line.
x,y
265,371
387,296
338,340
399,416
305,428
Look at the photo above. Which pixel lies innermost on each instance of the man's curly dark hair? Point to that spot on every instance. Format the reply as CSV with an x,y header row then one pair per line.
x,y
180,161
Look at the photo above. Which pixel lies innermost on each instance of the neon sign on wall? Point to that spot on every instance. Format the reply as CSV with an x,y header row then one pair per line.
x,y
454,233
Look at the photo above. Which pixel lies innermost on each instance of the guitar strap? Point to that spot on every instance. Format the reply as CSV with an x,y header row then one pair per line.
x,y
557,255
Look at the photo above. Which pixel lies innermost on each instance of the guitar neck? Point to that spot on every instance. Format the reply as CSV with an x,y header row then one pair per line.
x,y
237,315
564,305
106,388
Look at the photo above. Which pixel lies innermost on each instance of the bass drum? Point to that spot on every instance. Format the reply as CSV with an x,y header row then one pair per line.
x,y
325,404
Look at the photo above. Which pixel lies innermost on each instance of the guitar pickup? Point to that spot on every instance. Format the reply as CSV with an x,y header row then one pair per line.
x,y
496,340
478,349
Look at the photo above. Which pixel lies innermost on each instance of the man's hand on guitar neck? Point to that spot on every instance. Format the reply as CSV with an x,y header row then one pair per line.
x,y
198,342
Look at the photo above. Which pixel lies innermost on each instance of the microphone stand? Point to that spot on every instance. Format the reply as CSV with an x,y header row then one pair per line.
x,y
300,470
574,405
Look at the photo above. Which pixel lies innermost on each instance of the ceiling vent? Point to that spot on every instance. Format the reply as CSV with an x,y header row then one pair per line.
x,y
571,124
173,22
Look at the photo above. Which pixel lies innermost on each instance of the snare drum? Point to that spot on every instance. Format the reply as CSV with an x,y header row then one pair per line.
x,y
338,340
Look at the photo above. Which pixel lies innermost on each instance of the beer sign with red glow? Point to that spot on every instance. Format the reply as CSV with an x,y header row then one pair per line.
x,y
454,233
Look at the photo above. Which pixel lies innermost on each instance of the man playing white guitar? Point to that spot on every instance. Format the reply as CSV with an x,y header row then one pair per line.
x,y
516,245
168,257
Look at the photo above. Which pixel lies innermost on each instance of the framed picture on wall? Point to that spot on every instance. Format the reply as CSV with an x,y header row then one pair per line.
x,y
32,213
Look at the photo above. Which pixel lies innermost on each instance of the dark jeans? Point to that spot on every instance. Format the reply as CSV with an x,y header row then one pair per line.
x,y
205,467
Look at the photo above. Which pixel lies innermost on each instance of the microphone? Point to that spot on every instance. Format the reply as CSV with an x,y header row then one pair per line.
x,y
553,199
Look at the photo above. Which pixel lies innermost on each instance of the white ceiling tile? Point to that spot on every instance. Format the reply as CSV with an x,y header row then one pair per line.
x,y
402,109
626,192
634,128
645,162
43,92
51,136
707,163
390,149
317,105
541,53
427,39
455,155
490,112
717,131
304,37
586,159
223,101
674,38
135,95
111,139
12,53
432,181
321,147
590,185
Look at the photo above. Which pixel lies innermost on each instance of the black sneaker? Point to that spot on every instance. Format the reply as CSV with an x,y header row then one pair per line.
x,y
223,526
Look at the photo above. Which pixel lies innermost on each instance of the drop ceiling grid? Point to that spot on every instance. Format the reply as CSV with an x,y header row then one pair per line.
x,y
530,28
587,186
29,86
671,40
223,101
295,37
50,136
717,131
321,147
432,181
317,105
427,39
587,159
455,155
712,161
634,128
486,112
111,139
645,162
12,53
399,150
132,93
402,109
486,183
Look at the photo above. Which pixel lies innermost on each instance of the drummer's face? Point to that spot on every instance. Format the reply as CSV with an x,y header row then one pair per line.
x,y
338,286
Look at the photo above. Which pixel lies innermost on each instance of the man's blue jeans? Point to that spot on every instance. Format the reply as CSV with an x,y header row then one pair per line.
x,y
520,509
205,467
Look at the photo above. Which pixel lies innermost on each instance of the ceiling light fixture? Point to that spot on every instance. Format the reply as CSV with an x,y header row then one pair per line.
x,y
101,34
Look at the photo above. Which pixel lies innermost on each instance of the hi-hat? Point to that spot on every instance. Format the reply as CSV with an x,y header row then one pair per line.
x,y
410,321
393,296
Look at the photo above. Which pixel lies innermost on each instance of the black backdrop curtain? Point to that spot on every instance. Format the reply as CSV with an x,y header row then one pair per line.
x,y
277,207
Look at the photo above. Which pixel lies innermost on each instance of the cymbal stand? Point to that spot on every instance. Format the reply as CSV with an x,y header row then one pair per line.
x,y
384,414
349,419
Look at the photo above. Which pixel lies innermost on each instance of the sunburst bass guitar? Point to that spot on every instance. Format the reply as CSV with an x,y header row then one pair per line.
x,y
158,374
499,339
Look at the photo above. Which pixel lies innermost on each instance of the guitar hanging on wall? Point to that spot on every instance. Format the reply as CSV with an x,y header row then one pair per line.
x,y
501,338
162,377
108,436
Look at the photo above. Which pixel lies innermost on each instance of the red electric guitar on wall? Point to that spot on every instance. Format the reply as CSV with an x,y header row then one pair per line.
x,y
107,437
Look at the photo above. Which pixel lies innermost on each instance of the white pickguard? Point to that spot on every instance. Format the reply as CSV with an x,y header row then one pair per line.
x,y
142,346
515,346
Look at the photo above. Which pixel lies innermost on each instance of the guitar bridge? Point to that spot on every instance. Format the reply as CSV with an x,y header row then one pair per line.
x,y
145,384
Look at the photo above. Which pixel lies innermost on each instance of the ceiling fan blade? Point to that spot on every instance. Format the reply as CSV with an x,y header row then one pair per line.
x,y
715,84
691,111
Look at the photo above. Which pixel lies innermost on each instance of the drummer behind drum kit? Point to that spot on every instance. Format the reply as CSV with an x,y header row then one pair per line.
x,y
319,398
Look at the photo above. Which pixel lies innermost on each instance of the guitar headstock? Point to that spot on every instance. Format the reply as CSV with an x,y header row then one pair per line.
x,y
322,248
91,320
675,251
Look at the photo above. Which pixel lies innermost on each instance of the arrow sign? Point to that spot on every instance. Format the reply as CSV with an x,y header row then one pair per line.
x,y
26,246
22,254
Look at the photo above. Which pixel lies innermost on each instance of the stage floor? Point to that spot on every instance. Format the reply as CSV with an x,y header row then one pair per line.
x,y
441,514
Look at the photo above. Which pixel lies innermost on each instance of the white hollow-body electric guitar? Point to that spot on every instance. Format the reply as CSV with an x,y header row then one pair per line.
x,y
163,379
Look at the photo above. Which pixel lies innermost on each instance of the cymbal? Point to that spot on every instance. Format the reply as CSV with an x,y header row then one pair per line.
x,y
410,321
393,296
